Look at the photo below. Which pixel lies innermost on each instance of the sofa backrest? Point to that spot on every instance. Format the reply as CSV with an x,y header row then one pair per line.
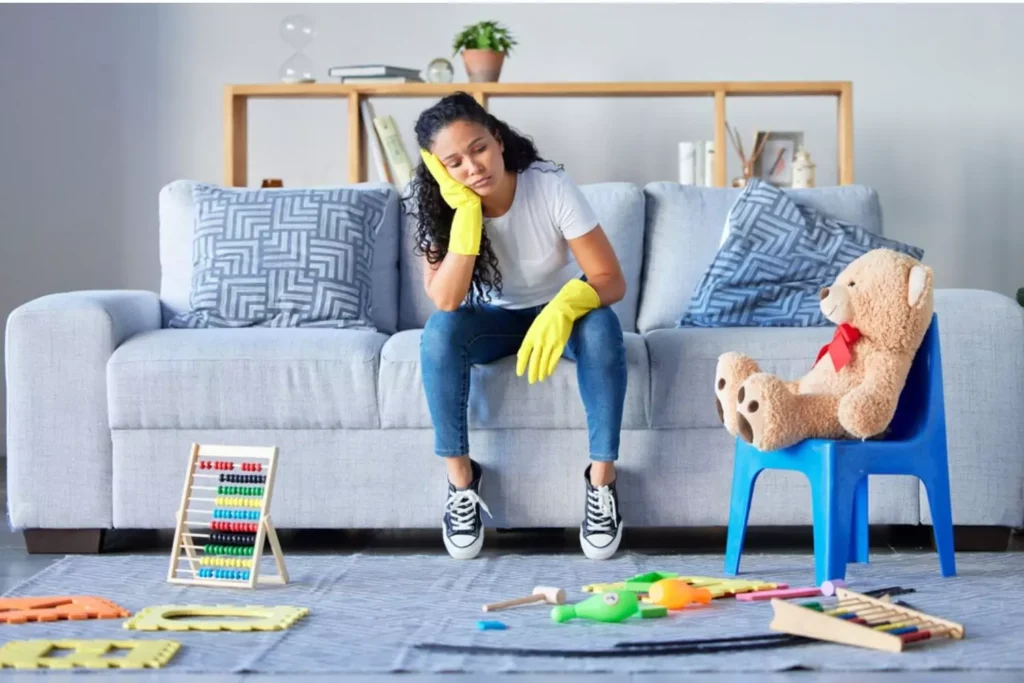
x,y
620,211
177,224
684,230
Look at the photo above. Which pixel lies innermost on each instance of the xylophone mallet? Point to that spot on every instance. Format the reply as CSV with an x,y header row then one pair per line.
x,y
548,594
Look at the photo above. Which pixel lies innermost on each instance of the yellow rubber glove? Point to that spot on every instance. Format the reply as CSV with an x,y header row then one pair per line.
x,y
546,339
468,223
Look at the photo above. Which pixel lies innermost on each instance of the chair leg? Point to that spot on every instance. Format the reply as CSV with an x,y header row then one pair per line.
x,y
744,476
833,501
860,538
936,485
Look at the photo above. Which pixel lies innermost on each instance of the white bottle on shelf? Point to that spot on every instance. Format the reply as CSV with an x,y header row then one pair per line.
x,y
687,163
803,169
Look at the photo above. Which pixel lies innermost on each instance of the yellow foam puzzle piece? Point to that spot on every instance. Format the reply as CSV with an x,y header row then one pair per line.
x,y
87,654
166,618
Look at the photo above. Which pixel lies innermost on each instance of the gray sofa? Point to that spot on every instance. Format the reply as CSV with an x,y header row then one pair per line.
x,y
104,400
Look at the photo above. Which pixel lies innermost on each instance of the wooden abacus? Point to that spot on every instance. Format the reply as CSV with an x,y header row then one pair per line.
x,y
861,621
227,497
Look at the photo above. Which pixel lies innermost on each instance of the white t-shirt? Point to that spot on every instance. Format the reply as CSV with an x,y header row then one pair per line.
x,y
530,238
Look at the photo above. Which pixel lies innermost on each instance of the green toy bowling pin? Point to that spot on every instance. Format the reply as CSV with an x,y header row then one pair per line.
x,y
608,607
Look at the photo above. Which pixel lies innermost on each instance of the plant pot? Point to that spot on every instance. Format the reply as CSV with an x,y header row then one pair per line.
x,y
483,66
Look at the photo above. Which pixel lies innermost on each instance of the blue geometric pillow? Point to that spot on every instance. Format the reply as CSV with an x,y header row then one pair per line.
x,y
283,258
777,257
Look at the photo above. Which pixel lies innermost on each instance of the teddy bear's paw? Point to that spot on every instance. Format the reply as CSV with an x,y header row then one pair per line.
x,y
733,368
758,410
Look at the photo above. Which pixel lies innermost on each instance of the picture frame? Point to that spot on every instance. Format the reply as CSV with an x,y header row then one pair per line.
x,y
775,162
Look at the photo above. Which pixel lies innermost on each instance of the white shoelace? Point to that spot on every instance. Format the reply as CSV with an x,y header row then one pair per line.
x,y
601,510
460,505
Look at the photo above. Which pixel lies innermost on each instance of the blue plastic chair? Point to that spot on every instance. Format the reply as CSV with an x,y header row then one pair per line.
x,y
838,474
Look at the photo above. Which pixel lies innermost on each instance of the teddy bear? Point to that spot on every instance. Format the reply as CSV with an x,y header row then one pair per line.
x,y
882,306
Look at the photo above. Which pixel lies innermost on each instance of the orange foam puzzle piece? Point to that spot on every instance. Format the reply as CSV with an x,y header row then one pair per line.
x,y
56,607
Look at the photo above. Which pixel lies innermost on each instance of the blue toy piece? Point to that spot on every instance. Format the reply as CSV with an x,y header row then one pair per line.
x,y
491,625
838,474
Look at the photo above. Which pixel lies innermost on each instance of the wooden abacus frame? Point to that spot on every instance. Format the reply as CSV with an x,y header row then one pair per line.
x,y
799,620
184,538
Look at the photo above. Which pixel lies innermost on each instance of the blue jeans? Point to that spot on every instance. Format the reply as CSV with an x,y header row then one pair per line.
x,y
453,341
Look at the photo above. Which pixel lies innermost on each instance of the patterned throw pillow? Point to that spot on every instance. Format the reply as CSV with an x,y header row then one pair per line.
x,y
283,258
776,258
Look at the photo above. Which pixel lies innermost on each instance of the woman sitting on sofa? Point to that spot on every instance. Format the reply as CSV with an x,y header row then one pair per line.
x,y
495,224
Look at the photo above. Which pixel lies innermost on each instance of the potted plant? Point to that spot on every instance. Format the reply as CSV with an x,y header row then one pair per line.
x,y
484,46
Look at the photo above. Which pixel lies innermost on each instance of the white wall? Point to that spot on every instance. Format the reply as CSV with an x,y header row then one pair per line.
x,y
102,105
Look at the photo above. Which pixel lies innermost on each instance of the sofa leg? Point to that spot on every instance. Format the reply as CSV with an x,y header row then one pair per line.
x,y
981,539
64,541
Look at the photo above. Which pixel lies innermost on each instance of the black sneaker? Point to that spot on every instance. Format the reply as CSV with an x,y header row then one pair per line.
x,y
601,530
462,527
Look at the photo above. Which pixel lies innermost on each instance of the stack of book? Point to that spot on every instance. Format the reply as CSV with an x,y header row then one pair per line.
x,y
697,163
375,73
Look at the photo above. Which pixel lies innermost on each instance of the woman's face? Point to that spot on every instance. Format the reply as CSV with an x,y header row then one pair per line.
x,y
471,154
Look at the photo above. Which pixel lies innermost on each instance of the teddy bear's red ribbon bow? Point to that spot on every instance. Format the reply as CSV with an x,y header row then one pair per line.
x,y
840,348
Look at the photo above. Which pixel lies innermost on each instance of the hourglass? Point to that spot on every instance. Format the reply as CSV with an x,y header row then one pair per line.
x,y
298,31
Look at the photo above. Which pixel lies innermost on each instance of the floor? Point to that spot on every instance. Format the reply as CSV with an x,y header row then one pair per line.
x,y
17,565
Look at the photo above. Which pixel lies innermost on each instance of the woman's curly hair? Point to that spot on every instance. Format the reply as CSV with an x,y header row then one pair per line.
x,y
432,215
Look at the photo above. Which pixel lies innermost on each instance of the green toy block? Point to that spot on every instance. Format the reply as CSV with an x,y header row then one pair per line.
x,y
641,583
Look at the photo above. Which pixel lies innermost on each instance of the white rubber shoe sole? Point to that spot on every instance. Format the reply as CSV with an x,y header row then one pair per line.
x,y
463,553
604,552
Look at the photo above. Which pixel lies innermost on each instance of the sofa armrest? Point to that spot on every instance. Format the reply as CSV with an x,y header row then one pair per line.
x,y
59,453
982,340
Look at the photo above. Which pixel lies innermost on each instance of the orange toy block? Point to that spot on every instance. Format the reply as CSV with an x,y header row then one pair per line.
x,y
56,607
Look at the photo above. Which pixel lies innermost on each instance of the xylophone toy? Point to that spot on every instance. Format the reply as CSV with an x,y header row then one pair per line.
x,y
224,518
861,621
719,588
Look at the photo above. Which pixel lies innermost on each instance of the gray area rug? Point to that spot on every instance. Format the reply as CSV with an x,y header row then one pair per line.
x,y
368,613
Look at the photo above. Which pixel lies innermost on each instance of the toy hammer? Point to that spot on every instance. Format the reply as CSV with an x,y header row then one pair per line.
x,y
548,594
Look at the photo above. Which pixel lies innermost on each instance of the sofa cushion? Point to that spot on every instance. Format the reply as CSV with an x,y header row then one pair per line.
x,y
177,227
256,378
683,363
684,229
619,208
282,258
498,399
775,259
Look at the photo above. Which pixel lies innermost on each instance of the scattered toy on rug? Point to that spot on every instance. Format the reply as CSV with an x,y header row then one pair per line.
x,y
861,621
167,618
87,654
882,306
718,587
729,645
231,511
547,594
610,607
491,625
827,588
57,607
676,594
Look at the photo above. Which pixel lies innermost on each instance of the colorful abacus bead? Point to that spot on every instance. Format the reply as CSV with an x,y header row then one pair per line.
x,y
234,539
230,574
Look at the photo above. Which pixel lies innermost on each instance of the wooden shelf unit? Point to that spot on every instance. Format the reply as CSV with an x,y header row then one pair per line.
x,y
236,101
